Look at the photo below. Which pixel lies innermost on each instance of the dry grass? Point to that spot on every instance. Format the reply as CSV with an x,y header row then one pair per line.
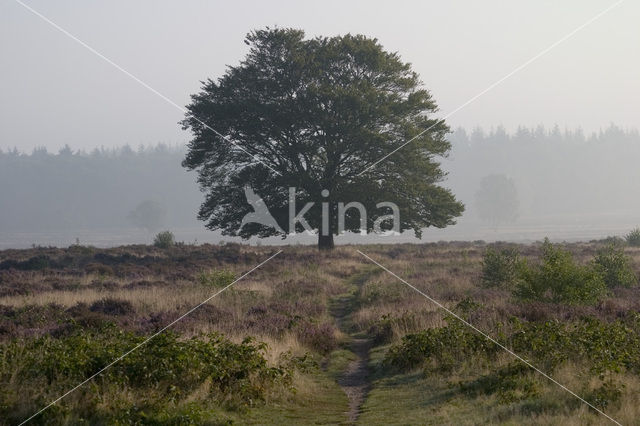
x,y
295,291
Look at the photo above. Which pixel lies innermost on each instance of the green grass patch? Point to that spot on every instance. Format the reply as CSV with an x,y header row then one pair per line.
x,y
318,401
338,361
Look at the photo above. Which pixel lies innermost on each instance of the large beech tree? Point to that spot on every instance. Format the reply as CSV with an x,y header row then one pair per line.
x,y
313,114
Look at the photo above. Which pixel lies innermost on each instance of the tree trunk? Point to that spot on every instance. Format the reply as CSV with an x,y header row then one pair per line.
x,y
325,242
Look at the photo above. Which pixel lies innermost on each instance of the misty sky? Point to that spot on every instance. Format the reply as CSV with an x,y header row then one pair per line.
x,y
55,92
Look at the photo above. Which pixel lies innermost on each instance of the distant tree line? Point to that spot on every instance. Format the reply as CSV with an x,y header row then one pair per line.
x,y
145,188
554,172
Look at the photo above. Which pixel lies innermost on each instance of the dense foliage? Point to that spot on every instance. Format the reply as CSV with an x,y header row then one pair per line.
x,y
559,278
166,369
217,278
633,238
314,114
605,349
501,268
445,347
615,267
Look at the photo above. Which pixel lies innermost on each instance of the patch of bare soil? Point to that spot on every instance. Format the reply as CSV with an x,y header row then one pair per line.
x,y
355,381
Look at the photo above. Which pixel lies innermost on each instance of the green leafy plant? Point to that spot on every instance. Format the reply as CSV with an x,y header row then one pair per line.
x,y
605,349
633,237
611,239
605,395
168,369
445,347
558,278
512,383
500,268
615,267
216,278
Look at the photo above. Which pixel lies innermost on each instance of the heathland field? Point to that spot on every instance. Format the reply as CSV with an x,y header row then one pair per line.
x,y
321,337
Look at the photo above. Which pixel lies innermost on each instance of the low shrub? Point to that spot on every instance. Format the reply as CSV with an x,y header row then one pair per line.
x,y
467,306
112,306
604,349
164,240
633,238
218,278
166,370
611,239
558,278
382,330
445,347
607,347
229,252
36,263
512,383
500,268
98,269
83,317
605,395
615,267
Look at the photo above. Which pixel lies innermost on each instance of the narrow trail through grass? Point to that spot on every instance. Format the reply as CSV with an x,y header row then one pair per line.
x,y
354,379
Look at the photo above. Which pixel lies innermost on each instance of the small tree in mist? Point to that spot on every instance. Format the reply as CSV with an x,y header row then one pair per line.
x,y
501,268
616,267
633,238
164,239
149,215
497,200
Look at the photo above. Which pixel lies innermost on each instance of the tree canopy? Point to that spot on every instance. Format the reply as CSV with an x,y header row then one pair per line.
x,y
313,114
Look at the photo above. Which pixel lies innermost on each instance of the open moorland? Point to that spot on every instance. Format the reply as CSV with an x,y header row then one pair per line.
x,y
321,337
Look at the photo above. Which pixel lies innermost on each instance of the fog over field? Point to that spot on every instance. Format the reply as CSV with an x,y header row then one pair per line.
x,y
568,185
